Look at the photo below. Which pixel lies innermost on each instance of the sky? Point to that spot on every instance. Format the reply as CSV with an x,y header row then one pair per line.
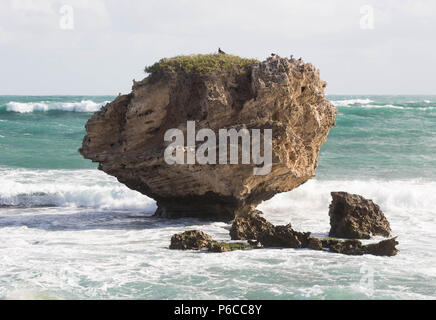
x,y
97,47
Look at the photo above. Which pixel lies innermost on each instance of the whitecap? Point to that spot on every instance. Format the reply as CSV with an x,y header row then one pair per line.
x,y
345,103
387,106
68,188
82,106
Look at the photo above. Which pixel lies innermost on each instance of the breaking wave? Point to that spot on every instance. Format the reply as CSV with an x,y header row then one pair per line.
x,y
68,188
349,102
82,106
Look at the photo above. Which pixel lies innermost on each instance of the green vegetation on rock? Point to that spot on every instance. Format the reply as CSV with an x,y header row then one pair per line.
x,y
202,63
216,246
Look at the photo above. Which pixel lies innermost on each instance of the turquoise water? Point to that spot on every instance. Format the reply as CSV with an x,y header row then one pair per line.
x,y
70,231
45,139
381,137
375,136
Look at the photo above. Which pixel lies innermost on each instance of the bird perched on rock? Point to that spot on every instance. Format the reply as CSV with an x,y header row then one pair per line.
x,y
299,59
221,51
273,54
292,56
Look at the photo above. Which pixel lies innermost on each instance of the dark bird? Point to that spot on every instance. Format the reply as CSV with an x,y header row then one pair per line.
x,y
299,59
273,54
292,56
221,51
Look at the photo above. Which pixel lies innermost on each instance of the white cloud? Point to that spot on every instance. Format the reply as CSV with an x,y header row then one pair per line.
x,y
113,40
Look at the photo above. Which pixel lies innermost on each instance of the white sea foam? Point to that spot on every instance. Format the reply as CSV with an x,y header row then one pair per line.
x,y
415,196
68,188
349,102
82,106
390,106
83,253
387,106
95,189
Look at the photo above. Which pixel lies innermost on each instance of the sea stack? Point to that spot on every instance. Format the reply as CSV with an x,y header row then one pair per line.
x,y
214,92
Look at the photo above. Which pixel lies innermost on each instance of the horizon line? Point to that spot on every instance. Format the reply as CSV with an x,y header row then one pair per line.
x,y
115,95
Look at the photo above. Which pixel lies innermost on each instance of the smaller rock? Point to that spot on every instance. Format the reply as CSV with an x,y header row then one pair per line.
x,y
383,248
328,242
215,246
190,240
355,247
250,226
354,217
253,226
314,244
349,247
284,236
255,243
198,240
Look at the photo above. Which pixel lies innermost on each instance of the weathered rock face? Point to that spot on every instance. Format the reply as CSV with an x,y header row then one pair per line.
x,y
127,136
354,217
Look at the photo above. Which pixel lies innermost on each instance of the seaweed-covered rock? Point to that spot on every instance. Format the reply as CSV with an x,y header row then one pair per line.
x,y
217,246
349,247
314,244
190,240
198,240
354,217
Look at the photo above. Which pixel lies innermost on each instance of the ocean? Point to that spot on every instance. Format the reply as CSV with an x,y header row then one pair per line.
x,y
69,231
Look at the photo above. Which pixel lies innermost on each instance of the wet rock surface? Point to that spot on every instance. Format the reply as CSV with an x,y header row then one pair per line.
x,y
383,248
198,240
355,247
190,240
250,226
354,217
253,226
261,233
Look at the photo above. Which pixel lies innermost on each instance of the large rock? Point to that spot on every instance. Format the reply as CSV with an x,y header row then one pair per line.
x,y
218,92
354,217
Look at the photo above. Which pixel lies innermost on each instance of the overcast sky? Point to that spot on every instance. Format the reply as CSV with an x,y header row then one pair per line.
x,y
111,41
